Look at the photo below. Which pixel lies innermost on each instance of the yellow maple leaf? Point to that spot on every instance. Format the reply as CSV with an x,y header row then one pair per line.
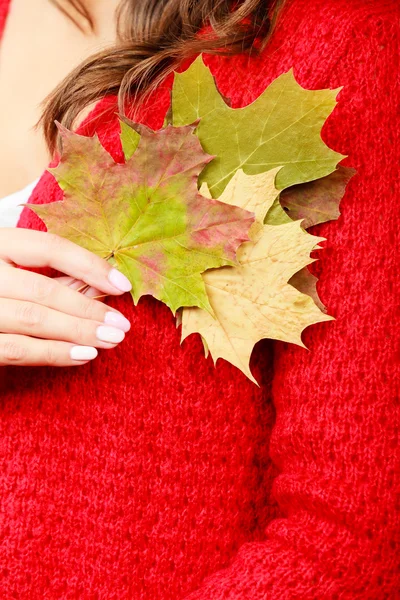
x,y
254,300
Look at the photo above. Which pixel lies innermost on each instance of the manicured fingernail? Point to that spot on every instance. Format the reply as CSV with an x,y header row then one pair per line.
x,y
118,280
83,353
109,334
117,320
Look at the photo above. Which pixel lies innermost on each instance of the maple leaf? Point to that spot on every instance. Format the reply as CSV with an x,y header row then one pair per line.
x,y
146,215
315,202
254,300
282,127
130,139
306,283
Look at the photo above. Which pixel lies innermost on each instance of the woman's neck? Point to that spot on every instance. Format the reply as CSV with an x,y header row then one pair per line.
x,y
40,46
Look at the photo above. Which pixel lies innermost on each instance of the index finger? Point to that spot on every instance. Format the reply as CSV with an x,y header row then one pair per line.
x,y
29,248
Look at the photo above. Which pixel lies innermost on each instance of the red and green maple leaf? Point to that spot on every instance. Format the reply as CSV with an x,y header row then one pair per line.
x,y
146,216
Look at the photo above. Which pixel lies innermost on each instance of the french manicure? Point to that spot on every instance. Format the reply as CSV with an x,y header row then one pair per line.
x,y
83,353
109,334
117,320
119,281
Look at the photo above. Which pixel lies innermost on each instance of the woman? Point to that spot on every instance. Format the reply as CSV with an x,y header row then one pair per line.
x,y
148,474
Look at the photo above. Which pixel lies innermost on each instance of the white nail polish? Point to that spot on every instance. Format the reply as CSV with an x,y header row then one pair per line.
x,y
117,320
109,334
83,353
118,280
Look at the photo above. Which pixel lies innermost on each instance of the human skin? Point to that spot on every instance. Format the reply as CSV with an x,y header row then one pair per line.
x,y
56,45
47,321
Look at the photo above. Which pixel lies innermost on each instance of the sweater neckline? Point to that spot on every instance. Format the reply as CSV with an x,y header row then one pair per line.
x,y
4,12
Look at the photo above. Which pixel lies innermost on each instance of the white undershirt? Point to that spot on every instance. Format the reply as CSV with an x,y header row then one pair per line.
x,y
10,209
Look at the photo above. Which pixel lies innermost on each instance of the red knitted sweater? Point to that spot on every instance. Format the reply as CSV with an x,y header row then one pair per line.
x,y
150,475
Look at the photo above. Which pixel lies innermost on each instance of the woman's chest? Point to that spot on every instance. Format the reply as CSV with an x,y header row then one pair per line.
x,y
151,463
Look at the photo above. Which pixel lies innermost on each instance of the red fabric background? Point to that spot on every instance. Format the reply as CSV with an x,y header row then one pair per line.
x,y
150,475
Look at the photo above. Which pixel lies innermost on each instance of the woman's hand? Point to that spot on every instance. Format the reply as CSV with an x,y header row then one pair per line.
x,y
44,321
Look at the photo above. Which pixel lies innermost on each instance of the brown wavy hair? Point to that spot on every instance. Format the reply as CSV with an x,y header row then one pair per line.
x,y
154,37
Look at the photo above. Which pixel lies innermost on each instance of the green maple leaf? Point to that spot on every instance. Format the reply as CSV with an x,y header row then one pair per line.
x,y
281,128
146,215
129,139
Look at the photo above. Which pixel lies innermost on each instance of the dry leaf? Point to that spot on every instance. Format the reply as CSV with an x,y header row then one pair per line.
x,y
282,127
146,216
254,301
315,202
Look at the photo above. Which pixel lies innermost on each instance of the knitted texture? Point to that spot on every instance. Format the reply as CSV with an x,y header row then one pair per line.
x,y
150,475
